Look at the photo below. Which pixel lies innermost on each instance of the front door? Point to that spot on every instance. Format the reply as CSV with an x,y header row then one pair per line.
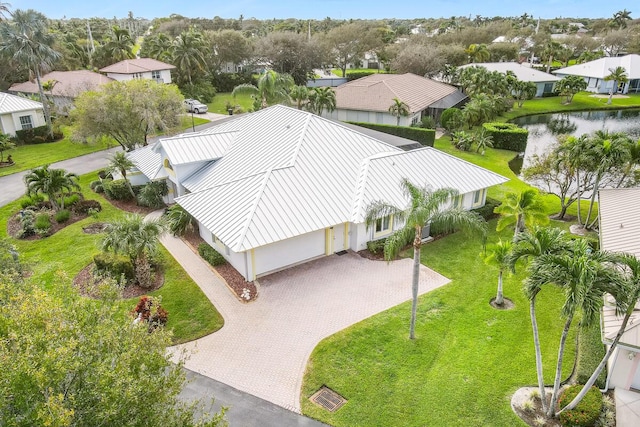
x,y
338,243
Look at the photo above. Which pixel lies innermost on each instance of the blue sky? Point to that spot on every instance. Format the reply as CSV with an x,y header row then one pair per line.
x,y
319,9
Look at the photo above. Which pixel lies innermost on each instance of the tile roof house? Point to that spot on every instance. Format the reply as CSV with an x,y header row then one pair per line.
x,y
620,232
594,73
18,113
524,72
140,68
281,186
68,85
368,99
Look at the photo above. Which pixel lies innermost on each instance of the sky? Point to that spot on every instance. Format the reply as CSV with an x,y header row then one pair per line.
x,y
320,9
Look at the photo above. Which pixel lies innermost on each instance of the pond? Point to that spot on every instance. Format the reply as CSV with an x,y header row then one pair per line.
x,y
545,128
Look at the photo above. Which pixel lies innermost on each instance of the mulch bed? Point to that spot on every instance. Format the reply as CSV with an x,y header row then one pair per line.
x,y
365,253
95,228
507,304
86,284
14,227
235,281
130,206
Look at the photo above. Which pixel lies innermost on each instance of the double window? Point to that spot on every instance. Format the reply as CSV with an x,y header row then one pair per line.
x,y
383,226
478,197
25,122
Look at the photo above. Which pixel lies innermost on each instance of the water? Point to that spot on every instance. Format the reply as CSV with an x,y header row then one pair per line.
x,y
545,128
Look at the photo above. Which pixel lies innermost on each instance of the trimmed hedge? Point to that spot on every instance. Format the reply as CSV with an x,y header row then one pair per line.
x,y
507,136
588,410
114,265
486,211
117,190
210,255
354,75
425,137
37,135
590,353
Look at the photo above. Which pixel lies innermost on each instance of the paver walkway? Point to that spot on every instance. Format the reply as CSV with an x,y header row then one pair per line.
x,y
627,408
264,346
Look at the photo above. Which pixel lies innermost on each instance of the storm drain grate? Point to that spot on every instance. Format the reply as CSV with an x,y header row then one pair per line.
x,y
341,253
328,399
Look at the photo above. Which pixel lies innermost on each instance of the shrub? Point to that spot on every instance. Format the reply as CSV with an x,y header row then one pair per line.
x,y
114,265
507,136
42,223
590,352
452,119
9,261
180,221
225,82
84,206
354,75
427,122
210,255
27,219
72,199
149,310
587,411
462,140
423,136
37,135
97,186
152,193
105,174
32,200
117,190
376,246
202,91
63,216
486,211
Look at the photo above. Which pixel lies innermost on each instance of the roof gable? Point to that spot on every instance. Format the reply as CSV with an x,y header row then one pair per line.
x,y
139,65
522,72
12,104
600,68
69,84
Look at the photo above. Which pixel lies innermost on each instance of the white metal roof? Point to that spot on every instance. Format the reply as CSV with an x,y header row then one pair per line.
x,y
12,103
148,161
522,72
289,172
600,68
195,147
620,220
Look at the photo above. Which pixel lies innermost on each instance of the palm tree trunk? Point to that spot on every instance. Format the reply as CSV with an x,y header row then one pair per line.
x,y
415,280
594,376
556,381
536,344
615,83
499,296
579,196
45,106
593,199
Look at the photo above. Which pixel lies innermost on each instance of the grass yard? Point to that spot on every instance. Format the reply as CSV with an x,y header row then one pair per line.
x,y
191,315
219,103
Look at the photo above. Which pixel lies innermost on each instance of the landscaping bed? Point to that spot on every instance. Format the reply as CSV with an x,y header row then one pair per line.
x,y
86,283
14,226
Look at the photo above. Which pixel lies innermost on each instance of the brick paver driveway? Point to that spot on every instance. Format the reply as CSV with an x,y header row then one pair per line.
x,y
264,346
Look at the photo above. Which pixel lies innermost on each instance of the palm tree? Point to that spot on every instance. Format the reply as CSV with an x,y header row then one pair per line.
x,y
529,245
521,209
321,98
399,109
5,144
158,47
424,207
499,255
300,95
578,151
52,182
271,88
134,237
188,53
4,10
120,44
618,75
620,18
120,163
26,40
478,52
584,275
179,220
551,48
483,141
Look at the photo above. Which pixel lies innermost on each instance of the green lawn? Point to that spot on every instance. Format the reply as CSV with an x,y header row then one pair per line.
x,y
191,315
219,103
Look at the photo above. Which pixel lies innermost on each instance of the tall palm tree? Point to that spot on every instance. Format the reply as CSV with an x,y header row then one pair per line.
x,y
620,18
424,207
499,255
188,53
4,10
300,95
551,49
521,209
399,109
321,98
158,46
120,44
52,183
584,275
578,151
120,163
26,40
134,237
528,246
618,75
478,52
271,88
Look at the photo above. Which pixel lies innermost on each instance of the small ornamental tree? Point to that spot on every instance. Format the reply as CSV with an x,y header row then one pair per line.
x,y
569,86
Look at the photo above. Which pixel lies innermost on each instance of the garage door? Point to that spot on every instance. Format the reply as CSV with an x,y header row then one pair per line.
x,y
288,252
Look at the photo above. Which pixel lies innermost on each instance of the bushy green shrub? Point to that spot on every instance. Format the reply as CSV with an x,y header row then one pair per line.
x,y
63,216
486,211
507,136
72,199
225,82
180,221
354,75
452,119
423,136
97,185
462,140
114,265
27,220
83,206
37,135
151,194
210,255
32,200
42,224
590,352
117,190
376,246
105,174
587,411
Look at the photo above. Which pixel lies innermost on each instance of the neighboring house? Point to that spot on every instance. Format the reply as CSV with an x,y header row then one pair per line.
x,y
368,99
18,113
280,186
620,232
544,81
67,86
594,73
141,68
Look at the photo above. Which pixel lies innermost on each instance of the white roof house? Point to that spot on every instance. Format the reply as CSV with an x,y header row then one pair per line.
x,y
140,68
594,73
281,186
544,81
18,113
620,232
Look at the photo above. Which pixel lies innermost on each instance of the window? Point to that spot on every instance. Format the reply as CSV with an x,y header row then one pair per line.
x,y
25,122
155,74
383,225
457,202
137,75
548,88
478,197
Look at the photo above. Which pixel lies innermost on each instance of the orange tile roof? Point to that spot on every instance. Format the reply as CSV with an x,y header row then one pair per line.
x,y
69,83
